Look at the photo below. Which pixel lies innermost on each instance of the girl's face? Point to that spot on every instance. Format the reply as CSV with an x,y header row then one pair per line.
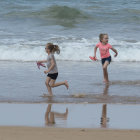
x,y
47,50
105,39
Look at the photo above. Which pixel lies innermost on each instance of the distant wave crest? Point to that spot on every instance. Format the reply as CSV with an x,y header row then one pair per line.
x,y
56,15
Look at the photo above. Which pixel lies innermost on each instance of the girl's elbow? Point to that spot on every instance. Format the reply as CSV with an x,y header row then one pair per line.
x,y
52,65
95,48
116,51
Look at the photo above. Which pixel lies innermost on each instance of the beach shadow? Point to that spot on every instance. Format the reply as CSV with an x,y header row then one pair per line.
x,y
50,116
104,119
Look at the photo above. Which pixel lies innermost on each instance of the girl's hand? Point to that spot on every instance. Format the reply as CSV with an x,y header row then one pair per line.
x,y
38,61
46,71
115,54
115,51
95,57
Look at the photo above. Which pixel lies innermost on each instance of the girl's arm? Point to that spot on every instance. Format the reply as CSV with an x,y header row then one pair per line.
x,y
42,61
51,67
115,51
95,50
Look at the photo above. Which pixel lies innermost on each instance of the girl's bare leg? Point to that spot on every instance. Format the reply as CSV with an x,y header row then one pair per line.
x,y
53,84
48,86
105,73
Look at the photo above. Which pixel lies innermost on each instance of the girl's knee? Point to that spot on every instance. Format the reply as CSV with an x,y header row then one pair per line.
x,y
51,85
47,83
104,67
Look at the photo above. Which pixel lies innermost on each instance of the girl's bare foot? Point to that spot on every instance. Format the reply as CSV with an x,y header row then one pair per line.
x,y
66,84
47,95
106,82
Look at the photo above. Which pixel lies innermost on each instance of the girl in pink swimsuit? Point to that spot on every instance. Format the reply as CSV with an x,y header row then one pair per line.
x,y
104,47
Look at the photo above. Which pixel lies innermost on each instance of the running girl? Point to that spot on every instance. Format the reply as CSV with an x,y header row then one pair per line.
x,y
104,47
52,71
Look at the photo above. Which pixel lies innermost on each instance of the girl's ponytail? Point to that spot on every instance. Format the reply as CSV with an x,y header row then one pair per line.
x,y
56,49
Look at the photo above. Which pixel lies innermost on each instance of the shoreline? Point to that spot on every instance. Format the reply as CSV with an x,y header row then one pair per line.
x,y
67,103
35,133
77,98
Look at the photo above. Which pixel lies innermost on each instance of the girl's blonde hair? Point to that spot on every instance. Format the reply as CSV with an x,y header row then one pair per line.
x,y
53,48
101,36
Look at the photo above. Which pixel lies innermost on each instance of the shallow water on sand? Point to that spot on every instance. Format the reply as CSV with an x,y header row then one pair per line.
x,y
24,82
114,116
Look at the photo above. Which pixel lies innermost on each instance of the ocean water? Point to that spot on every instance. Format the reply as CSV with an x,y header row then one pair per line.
x,y
23,82
27,25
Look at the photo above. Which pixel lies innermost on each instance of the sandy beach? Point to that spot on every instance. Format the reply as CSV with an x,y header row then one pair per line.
x,y
90,109
29,121
23,106
33,133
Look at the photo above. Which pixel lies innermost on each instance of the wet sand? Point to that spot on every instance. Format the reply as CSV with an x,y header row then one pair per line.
x,y
108,116
63,122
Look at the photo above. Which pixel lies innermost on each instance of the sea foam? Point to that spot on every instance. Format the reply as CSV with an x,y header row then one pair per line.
x,y
72,49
